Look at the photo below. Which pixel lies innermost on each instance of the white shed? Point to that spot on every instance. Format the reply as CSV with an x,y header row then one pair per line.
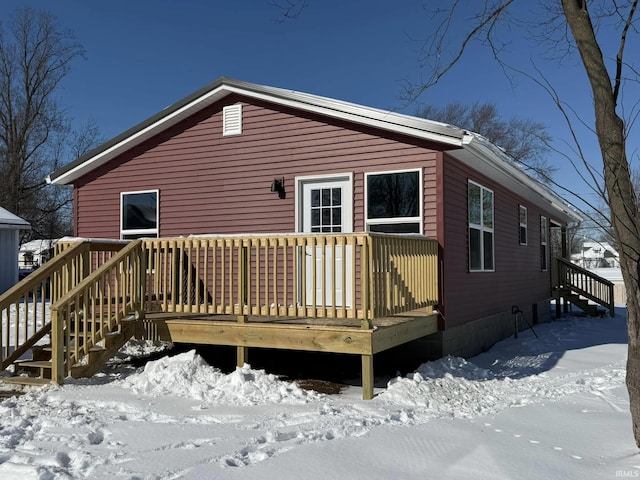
x,y
10,226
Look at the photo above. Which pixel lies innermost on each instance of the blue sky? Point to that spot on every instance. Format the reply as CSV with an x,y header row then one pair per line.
x,y
143,55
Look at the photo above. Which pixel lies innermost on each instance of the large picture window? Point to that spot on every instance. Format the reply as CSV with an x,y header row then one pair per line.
x,y
481,228
394,202
139,214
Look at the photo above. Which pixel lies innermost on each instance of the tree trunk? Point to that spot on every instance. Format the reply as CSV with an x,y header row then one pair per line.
x,y
624,214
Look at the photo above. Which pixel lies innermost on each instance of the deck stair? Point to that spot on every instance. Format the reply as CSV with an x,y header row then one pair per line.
x,y
580,287
91,330
591,309
38,370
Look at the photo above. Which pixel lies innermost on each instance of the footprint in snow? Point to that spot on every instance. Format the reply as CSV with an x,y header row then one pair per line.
x,y
95,437
536,442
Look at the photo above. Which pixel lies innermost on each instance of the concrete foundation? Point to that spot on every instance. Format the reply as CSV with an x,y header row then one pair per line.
x,y
480,335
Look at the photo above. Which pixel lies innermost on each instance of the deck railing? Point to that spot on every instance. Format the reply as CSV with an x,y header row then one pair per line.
x,y
567,275
98,252
94,285
360,275
24,313
87,313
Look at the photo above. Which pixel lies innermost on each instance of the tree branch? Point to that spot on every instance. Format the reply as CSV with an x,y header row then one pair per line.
x,y
620,54
487,21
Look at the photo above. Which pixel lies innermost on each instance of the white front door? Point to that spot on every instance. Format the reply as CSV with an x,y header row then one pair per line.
x,y
326,207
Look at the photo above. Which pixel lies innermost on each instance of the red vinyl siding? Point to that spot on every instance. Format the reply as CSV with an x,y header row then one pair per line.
x,y
517,279
214,184
209,183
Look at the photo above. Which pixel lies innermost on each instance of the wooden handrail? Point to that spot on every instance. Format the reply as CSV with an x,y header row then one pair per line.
x,y
23,307
24,303
43,273
584,282
94,307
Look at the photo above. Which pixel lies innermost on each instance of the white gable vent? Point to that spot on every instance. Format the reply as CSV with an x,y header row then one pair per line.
x,y
232,120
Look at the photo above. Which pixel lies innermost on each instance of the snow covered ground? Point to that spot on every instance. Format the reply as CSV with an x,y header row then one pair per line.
x,y
530,408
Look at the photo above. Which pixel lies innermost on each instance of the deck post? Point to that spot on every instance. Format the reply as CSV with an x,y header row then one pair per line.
x,y
242,353
142,280
612,305
57,350
367,377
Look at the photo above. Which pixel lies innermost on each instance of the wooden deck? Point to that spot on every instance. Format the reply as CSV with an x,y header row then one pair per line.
x,y
332,335
357,294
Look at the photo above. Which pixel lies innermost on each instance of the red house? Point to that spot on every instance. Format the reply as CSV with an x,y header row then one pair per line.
x,y
265,174
237,158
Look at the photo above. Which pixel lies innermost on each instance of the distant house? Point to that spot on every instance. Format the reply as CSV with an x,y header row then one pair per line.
x,y
603,260
35,253
596,255
241,158
10,226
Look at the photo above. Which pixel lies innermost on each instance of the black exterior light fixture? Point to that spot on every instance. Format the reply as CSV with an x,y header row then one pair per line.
x,y
278,186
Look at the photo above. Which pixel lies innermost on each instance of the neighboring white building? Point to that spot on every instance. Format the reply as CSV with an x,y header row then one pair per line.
x,y
35,253
603,260
10,226
596,255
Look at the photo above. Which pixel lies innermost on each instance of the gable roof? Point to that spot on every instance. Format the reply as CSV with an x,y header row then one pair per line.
x,y
468,147
9,221
597,250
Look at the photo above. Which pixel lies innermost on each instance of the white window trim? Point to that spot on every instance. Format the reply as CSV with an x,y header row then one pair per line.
x,y
418,219
232,120
482,229
301,180
544,240
523,225
151,232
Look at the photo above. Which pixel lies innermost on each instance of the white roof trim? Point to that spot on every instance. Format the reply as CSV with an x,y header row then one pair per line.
x,y
9,221
497,164
143,134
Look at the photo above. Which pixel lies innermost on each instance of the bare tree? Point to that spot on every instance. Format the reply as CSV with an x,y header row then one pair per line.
x,y
525,141
35,55
569,26
290,8
54,214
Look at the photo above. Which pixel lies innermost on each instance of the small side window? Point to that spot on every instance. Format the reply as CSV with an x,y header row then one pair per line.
x,y
523,225
544,240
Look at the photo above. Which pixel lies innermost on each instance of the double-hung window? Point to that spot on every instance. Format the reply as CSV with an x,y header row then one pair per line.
x,y
544,240
394,201
481,228
523,225
139,214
